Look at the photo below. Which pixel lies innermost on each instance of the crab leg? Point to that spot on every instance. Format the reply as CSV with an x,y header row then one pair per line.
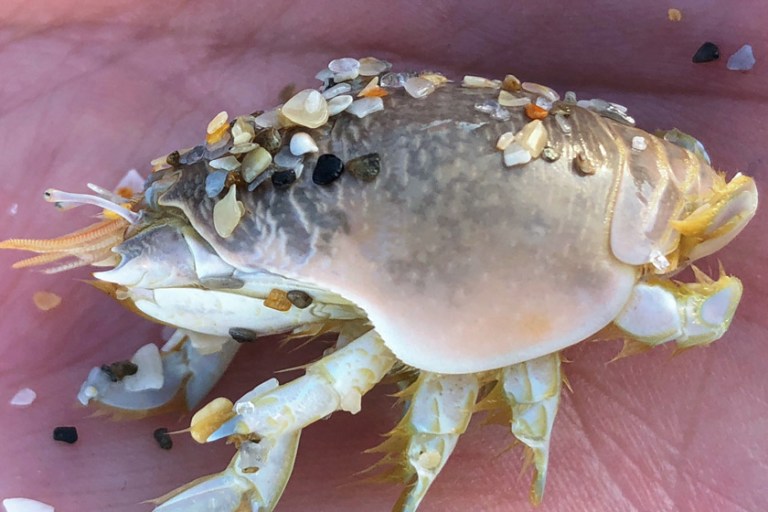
x,y
268,423
180,374
336,382
254,480
438,413
693,314
532,390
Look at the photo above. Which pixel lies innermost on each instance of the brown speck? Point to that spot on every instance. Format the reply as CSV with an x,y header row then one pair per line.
x,y
511,84
549,154
243,335
270,139
173,159
277,299
674,14
364,168
582,164
299,298
46,301
119,370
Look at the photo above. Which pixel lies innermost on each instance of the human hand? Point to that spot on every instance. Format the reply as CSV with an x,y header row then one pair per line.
x,y
92,90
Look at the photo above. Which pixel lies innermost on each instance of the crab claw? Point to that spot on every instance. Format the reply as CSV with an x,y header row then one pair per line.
x,y
719,219
178,376
254,480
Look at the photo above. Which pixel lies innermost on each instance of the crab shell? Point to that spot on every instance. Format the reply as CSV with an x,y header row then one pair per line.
x,y
462,264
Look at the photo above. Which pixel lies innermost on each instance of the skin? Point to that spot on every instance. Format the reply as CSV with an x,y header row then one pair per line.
x,y
90,91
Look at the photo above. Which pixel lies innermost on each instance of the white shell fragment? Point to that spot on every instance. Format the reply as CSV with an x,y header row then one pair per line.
x,y
227,213
25,505
419,87
492,108
541,90
533,137
365,106
307,108
507,99
563,124
639,143
544,103
255,163
226,163
242,131
284,158
23,397
246,147
505,139
659,261
742,60
371,66
150,369
336,90
303,143
515,154
217,123
344,69
268,119
339,104
480,82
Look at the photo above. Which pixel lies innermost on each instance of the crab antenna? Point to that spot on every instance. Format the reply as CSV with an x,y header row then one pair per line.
x,y
106,194
57,196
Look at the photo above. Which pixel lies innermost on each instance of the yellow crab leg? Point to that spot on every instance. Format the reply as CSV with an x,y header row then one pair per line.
x,y
532,390
692,314
439,412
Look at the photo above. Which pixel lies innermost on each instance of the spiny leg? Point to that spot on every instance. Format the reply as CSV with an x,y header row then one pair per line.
x,y
692,314
336,382
438,412
266,423
177,376
253,481
532,392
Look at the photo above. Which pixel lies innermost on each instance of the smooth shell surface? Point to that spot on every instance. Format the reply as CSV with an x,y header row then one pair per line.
x,y
461,263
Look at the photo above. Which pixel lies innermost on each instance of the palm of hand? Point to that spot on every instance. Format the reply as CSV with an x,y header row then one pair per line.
x,y
91,98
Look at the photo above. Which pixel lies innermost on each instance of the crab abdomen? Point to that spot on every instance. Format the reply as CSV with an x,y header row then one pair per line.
x,y
461,263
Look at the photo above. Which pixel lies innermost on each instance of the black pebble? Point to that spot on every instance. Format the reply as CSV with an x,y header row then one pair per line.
x,y
299,298
706,53
163,439
65,434
242,335
366,167
327,169
283,179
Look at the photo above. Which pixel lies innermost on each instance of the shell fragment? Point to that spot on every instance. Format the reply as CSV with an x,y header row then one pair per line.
x,y
307,108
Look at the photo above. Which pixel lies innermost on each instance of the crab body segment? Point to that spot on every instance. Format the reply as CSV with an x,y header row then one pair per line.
x,y
451,267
